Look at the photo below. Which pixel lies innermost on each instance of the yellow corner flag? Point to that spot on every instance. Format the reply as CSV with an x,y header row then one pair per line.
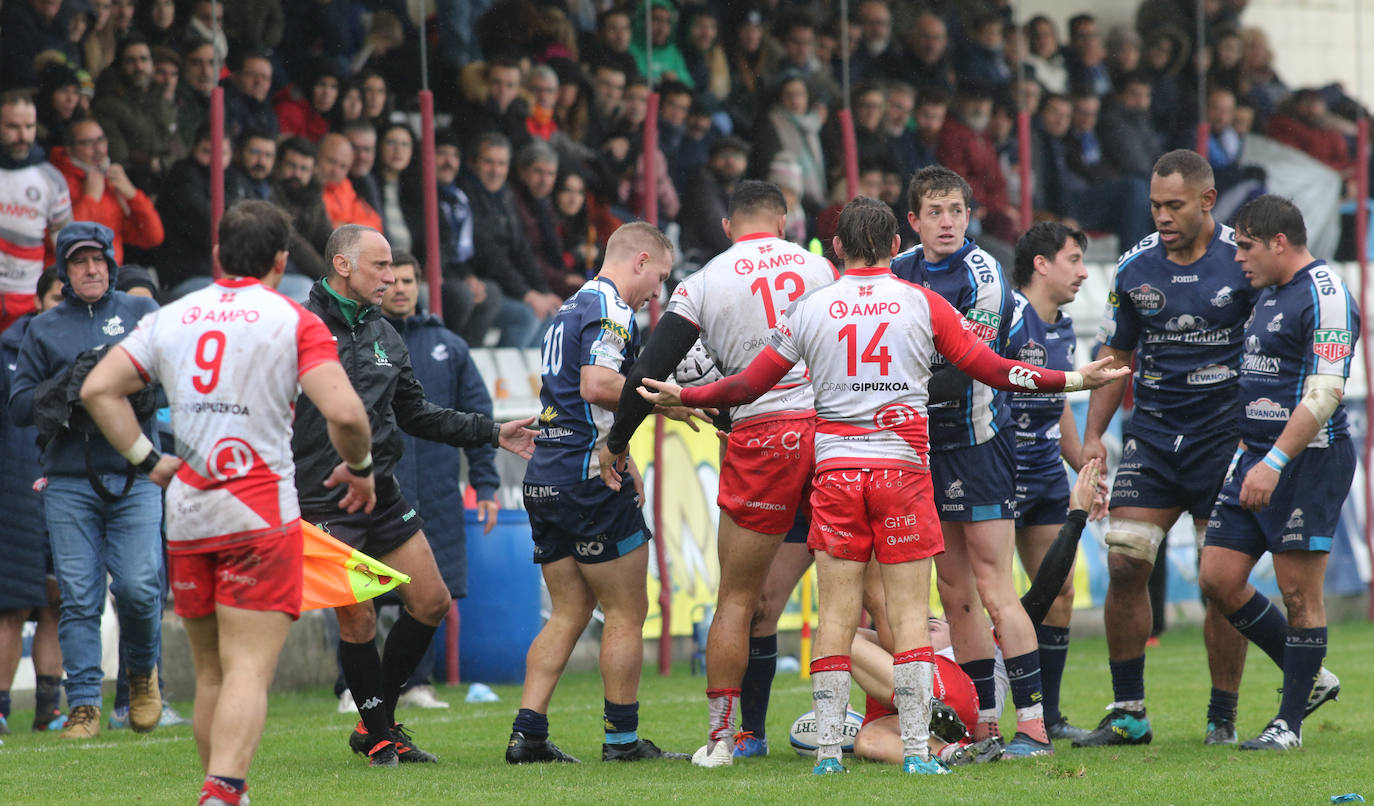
x,y
336,574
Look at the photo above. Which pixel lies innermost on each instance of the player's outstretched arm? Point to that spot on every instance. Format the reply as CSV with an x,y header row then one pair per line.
x,y
328,387
517,436
105,394
762,374
1102,404
1057,564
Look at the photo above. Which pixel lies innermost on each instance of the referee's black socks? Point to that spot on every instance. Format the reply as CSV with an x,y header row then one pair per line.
x,y
405,647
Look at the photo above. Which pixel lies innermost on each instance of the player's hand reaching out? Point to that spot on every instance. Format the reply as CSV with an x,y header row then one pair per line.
x,y
1090,491
662,393
487,511
362,490
685,415
1099,373
517,437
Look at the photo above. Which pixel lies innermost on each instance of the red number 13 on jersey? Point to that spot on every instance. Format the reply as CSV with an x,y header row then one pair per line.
x,y
787,278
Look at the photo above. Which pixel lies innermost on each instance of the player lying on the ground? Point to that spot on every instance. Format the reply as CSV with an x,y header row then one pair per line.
x,y
880,737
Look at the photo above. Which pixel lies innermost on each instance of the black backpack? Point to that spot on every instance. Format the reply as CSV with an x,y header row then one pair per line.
x,y
57,410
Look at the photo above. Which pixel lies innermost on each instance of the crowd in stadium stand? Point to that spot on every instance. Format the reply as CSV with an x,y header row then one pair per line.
x,y
543,106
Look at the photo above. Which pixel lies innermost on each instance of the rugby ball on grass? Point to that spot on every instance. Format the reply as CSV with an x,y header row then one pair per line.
x,y
803,733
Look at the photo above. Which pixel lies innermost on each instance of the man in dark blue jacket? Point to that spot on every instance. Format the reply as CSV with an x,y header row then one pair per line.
x,y
91,534
429,472
30,585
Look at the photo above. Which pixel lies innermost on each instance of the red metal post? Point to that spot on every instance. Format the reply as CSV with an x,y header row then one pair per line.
x,y
1204,133
1023,164
216,170
432,275
851,152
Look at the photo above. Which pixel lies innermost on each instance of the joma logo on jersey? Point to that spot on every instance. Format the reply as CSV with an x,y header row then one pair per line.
x,y
1331,344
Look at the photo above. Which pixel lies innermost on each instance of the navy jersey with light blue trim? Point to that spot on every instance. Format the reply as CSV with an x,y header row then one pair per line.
x,y
1185,324
1307,326
972,281
593,327
1036,416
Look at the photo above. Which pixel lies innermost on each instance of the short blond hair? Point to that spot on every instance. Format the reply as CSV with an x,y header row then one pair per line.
x,y
635,237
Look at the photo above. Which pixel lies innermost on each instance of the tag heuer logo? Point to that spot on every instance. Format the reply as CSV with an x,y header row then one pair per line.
x,y
1332,345
984,324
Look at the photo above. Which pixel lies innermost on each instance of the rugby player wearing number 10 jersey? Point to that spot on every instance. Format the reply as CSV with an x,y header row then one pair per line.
x,y
868,341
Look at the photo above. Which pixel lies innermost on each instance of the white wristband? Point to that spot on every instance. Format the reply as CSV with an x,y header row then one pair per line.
x,y
1073,381
364,465
138,451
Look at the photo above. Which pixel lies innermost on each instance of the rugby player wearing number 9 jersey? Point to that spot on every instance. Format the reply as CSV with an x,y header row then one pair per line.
x,y
868,340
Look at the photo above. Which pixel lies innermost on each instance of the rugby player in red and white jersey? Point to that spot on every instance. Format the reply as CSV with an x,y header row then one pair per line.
x,y
233,358
732,304
868,341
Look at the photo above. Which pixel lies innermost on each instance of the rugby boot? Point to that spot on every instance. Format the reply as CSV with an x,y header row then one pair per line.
x,y
523,750
721,754
638,750
984,752
1024,746
747,745
1220,732
1275,736
383,754
1063,730
1119,727
1327,687
830,766
915,765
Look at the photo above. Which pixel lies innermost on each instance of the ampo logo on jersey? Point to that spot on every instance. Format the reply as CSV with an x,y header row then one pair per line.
x,y
839,309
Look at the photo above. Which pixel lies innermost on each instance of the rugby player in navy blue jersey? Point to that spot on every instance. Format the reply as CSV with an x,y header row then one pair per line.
x,y
972,462
1048,272
1178,304
589,540
1288,480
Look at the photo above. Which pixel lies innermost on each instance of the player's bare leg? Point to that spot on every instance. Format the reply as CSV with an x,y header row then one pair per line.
x,y
573,602
1052,633
619,587
839,584
991,547
235,654
968,626
745,556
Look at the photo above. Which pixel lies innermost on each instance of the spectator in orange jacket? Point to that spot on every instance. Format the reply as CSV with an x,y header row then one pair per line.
x,y
101,190
341,201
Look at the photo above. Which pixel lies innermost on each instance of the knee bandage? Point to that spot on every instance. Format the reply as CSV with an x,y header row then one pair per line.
x,y
1136,539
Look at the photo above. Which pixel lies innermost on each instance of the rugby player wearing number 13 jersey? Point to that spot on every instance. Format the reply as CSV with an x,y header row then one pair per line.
x,y
869,340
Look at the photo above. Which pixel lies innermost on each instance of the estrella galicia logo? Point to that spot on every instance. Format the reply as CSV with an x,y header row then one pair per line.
x,y
1147,299
1033,353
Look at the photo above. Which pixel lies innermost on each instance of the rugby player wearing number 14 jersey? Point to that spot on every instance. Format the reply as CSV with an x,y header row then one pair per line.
x,y
732,304
868,341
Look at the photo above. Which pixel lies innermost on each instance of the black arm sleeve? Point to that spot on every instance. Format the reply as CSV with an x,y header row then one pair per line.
x,y
421,418
950,383
1054,568
668,344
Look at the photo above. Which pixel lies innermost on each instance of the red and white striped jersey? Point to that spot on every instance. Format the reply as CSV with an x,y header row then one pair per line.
x,y
230,358
32,199
737,298
869,340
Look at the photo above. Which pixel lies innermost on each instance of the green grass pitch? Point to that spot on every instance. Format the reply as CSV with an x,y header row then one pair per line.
x,y
304,758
